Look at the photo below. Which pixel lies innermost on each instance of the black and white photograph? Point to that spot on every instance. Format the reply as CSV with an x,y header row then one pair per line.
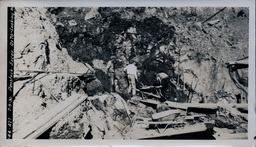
x,y
130,73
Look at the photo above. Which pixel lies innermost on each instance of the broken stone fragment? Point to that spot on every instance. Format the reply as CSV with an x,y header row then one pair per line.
x,y
132,30
102,98
72,23
91,14
94,87
213,22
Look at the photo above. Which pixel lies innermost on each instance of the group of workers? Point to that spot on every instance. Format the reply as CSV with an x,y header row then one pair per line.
x,y
131,71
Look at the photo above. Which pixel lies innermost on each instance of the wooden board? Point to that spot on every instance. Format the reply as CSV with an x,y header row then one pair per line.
x,y
166,113
176,105
209,106
163,122
242,107
150,87
150,102
232,136
194,116
148,134
39,126
194,105
21,78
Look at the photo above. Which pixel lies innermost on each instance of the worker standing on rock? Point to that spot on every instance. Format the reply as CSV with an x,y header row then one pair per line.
x,y
163,80
131,71
111,72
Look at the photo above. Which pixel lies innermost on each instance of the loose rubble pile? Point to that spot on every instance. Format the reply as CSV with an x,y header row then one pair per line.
x,y
61,56
108,116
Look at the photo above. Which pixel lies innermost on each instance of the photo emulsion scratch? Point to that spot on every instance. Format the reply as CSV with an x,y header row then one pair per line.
x,y
129,73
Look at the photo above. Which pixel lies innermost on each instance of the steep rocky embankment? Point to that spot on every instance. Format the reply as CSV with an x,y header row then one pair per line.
x,y
171,39
44,64
54,46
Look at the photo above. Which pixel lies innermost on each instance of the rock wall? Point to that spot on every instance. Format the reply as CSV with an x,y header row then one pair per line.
x,y
165,39
37,44
39,55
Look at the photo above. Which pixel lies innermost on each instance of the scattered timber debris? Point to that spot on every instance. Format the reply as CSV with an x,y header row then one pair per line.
x,y
239,81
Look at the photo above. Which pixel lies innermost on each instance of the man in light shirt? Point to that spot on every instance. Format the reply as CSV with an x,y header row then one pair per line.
x,y
131,71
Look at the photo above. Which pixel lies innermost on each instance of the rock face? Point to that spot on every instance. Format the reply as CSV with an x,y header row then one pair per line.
x,y
37,52
37,44
171,39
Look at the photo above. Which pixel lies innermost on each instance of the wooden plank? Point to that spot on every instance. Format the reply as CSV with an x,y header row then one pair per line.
x,y
189,117
149,101
147,134
21,78
242,107
194,116
176,105
194,105
163,122
166,113
199,115
85,73
212,106
244,61
45,127
150,87
37,127
232,136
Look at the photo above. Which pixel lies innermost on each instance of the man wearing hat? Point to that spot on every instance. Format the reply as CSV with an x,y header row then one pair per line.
x,y
111,73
